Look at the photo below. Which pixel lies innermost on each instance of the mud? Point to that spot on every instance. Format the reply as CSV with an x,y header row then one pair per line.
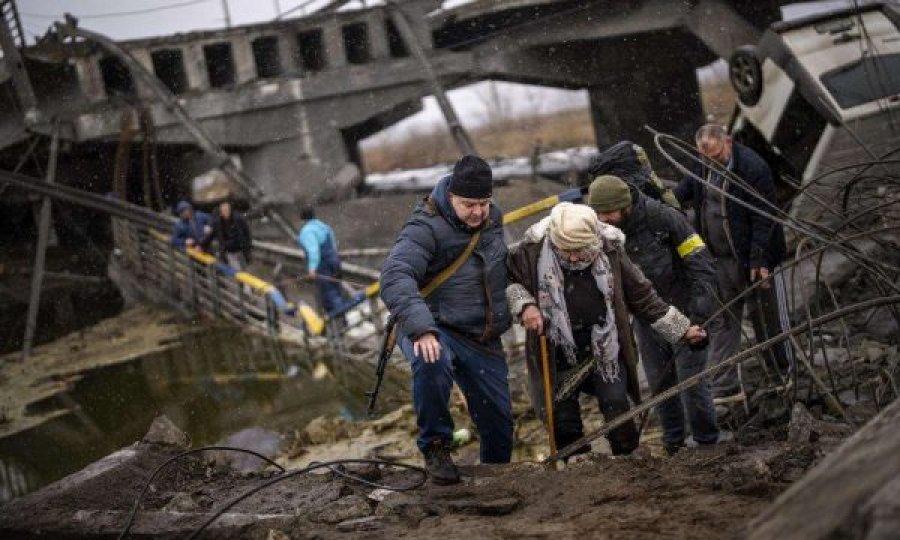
x,y
709,493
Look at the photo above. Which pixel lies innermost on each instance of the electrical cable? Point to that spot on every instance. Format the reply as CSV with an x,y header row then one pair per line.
x,y
327,464
787,221
175,458
331,465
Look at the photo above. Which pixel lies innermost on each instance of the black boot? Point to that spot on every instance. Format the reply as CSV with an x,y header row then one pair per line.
x,y
439,464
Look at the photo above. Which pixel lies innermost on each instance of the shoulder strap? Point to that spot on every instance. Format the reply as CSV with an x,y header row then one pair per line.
x,y
446,273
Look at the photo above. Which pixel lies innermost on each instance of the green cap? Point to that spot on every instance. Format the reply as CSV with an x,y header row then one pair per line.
x,y
608,193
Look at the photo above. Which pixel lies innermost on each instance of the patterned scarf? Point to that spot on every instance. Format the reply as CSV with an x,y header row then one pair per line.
x,y
552,302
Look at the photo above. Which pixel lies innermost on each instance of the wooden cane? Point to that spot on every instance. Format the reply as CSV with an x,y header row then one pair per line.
x,y
548,394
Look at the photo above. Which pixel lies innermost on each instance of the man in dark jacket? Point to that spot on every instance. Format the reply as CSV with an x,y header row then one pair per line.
x,y
192,229
454,333
747,245
661,242
233,235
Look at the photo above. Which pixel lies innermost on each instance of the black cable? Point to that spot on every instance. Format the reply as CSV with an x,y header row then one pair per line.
x,y
327,464
166,463
790,222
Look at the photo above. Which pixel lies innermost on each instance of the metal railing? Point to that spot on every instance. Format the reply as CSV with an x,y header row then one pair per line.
x,y
198,283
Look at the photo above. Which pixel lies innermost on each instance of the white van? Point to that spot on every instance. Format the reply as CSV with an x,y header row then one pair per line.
x,y
822,93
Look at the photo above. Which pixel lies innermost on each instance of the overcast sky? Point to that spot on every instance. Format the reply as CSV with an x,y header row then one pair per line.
x,y
129,19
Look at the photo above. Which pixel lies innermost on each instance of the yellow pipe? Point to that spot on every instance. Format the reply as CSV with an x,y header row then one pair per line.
x,y
530,209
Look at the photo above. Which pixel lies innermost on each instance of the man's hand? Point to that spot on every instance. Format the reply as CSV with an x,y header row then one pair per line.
x,y
207,230
428,348
190,242
760,273
694,335
532,319
312,275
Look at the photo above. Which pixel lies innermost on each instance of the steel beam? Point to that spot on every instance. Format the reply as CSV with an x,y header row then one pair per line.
x,y
37,278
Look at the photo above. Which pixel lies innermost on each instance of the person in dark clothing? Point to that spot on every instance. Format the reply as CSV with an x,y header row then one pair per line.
x,y
454,333
571,280
661,242
747,245
192,229
323,261
233,235
629,162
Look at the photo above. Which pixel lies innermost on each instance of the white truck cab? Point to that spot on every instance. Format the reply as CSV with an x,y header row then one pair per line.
x,y
817,95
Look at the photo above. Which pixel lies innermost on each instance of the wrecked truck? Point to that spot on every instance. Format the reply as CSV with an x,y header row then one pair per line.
x,y
819,99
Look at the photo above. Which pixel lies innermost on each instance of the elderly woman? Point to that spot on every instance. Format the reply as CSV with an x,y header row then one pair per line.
x,y
571,280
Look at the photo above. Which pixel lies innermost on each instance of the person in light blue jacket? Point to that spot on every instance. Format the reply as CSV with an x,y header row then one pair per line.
x,y
317,239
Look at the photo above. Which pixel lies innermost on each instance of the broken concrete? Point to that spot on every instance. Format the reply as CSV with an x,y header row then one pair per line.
x,y
849,494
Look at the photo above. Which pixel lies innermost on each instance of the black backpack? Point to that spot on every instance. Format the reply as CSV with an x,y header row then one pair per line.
x,y
629,162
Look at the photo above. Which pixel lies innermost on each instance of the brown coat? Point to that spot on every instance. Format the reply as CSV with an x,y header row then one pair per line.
x,y
633,293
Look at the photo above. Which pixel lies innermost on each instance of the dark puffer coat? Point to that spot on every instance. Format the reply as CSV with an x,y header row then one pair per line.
x,y
473,301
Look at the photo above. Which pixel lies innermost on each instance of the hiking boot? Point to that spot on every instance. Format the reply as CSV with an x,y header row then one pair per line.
x,y
673,448
724,437
439,464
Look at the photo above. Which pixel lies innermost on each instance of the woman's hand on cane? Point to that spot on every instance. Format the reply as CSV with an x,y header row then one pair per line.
x,y
532,319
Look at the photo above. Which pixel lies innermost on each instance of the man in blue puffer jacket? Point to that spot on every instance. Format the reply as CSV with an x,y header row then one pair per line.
x,y
454,333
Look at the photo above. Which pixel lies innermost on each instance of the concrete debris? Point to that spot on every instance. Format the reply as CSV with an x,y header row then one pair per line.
x,y
163,431
494,507
366,524
181,502
405,507
343,509
325,429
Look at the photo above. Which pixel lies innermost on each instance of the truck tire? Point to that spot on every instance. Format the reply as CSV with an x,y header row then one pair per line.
x,y
745,73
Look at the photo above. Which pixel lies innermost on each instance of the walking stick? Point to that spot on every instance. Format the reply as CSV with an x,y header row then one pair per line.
x,y
548,394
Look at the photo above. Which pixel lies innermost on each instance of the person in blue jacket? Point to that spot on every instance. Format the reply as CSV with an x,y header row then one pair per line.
x,y
317,239
453,334
192,229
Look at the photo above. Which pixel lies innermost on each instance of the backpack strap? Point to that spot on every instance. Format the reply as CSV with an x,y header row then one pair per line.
x,y
448,272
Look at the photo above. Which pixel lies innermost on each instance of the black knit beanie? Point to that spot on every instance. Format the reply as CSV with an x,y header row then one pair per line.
x,y
471,178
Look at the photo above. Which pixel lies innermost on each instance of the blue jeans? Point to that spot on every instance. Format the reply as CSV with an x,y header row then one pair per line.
x,y
667,365
481,376
329,294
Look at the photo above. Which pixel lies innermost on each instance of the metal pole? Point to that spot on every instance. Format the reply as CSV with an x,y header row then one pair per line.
x,y
37,277
213,278
21,82
226,13
401,21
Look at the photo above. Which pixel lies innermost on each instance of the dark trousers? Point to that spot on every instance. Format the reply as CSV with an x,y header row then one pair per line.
x,y
330,294
667,365
613,400
482,377
768,312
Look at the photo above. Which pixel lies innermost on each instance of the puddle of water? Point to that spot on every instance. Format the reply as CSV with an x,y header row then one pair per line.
x,y
211,385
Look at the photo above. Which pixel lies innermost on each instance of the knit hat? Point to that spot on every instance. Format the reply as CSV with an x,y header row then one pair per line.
x,y
574,227
471,178
608,193
182,206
